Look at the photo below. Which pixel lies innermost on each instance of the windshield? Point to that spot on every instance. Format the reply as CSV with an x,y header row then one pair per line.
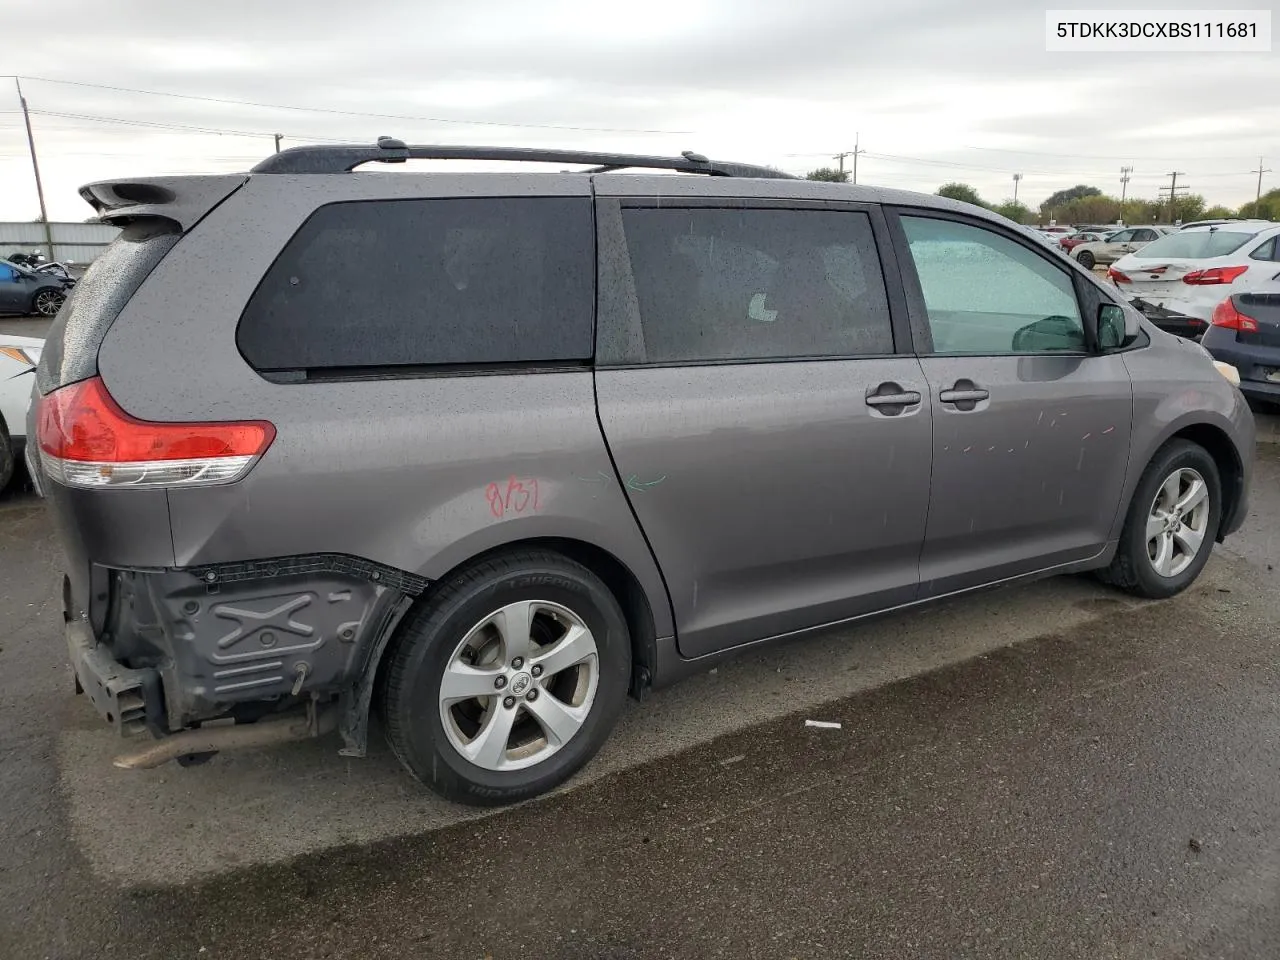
x,y
1197,244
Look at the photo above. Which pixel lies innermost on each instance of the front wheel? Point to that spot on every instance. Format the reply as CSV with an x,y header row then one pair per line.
x,y
1171,525
47,303
1086,259
508,680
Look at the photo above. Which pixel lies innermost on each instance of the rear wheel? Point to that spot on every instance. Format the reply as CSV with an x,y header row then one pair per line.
x,y
508,680
48,302
1086,259
1171,525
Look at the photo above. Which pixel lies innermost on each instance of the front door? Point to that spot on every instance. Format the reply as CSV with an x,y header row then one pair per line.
x,y
1031,430
13,291
773,446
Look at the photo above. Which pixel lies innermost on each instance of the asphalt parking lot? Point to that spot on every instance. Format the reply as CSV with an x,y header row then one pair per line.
x,y
1053,770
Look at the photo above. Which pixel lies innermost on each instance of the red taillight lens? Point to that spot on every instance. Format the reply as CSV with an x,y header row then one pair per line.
x,y
1116,276
87,440
1226,315
1214,275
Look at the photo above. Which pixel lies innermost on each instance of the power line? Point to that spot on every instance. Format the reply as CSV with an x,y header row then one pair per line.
x,y
347,113
1089,156
183,127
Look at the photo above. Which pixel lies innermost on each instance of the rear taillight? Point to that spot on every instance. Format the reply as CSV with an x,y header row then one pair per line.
x,y
86,440
1116,276
1214,275
1226,315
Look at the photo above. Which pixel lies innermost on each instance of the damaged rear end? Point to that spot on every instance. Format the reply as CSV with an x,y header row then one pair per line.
x,y
158,648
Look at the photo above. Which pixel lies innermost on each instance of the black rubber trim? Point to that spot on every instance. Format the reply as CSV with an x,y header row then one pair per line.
x,y
213,573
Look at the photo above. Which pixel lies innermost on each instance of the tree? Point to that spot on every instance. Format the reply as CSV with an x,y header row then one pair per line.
x,y
962,192
1188,207
1062,197
1015,210
1218,212
828,174
1267,207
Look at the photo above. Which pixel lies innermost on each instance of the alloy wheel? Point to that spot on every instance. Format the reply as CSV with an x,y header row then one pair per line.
x,y
49,302
1177,522
519,685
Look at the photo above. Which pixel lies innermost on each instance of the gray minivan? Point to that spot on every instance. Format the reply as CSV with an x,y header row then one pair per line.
x,y
489,451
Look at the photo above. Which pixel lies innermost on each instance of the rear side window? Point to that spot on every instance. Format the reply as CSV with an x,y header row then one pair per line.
x,y
391,283
71,345
753,284
1267,251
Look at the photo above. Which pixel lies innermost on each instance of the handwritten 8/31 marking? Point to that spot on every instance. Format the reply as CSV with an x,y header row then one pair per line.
x,y
515,496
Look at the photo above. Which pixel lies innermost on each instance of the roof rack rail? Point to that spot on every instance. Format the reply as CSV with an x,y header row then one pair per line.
x,y
343,158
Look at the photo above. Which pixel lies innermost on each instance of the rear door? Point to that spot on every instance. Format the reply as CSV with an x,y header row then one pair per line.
x,y
774,446
1031,430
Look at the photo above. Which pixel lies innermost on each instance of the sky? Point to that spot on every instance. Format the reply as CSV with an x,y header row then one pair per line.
x,y
931,90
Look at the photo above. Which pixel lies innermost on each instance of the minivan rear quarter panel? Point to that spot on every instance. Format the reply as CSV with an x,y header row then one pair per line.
x,y
413,472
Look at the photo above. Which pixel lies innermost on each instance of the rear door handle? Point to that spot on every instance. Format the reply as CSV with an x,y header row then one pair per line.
x,y
962,396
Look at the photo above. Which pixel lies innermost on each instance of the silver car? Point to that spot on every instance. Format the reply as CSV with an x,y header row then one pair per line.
x,y
1115,245
488,452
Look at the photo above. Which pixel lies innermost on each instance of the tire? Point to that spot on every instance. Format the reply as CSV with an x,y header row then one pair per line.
x,y
47,303
1133,568
463,629
6,456
1086,260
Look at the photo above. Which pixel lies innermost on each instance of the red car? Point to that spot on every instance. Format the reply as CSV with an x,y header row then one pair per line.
x,y
1068,243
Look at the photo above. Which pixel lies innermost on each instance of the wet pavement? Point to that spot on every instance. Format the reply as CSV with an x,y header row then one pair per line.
x,y
1046,771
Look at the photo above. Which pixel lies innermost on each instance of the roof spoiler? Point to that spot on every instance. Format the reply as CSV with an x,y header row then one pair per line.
x,y
181,200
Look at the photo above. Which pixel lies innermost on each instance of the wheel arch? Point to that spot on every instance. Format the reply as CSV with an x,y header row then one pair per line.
x,y
621,581
1226,457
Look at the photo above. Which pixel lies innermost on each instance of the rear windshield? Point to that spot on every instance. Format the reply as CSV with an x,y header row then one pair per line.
x,y
72,343
1197,244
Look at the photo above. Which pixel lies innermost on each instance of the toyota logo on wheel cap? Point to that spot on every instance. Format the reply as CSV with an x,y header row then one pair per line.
x,y
521,683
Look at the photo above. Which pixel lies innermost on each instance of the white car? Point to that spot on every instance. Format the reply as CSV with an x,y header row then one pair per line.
x,y
1179,279
18,359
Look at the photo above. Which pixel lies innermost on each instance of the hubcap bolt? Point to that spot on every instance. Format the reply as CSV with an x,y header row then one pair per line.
x,y
537,670
532,695
500,682
509,702
517,663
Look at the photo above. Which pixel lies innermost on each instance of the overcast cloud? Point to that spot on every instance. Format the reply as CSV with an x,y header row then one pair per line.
x,y
937,91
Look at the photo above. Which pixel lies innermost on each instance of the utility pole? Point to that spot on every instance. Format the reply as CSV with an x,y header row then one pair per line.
x,y
1124,188
850,153
277,143
35,166
1260,171
1016,178
1173,193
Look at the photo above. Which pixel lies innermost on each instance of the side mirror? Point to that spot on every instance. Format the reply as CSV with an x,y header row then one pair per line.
x,y
1115,327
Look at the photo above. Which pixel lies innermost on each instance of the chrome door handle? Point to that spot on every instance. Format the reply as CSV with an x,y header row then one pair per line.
x,y
961,396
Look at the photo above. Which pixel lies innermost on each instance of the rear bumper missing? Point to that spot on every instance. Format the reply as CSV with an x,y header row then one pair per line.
x,y
178,648
130,700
